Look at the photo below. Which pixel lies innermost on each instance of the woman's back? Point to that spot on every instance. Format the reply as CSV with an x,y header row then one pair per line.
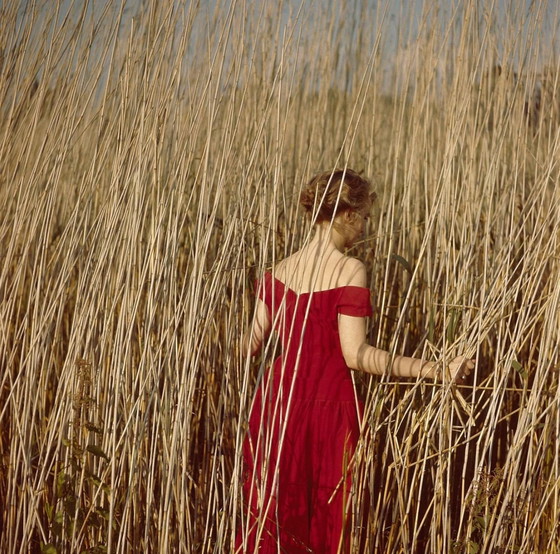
x,y
317,267
309,361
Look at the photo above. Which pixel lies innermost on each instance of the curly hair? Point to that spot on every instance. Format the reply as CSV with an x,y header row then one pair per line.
x,y
333,192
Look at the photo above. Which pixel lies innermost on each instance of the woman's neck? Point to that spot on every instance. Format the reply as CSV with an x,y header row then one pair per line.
x,y
327,237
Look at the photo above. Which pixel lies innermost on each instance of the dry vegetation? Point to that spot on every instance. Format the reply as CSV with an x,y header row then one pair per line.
x,y
149,167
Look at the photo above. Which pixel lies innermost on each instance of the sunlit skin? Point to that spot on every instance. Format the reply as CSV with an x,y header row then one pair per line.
x,y
321,265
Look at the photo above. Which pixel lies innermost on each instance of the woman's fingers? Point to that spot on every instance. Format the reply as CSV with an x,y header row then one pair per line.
x,y
461,367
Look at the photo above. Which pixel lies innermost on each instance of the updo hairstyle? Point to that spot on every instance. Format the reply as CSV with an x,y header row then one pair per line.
x,y
327,194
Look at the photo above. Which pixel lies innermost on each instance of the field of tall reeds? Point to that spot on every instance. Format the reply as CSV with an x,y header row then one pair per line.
x,y
151,157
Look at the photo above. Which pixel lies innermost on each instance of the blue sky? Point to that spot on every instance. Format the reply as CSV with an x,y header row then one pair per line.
x,y
401,25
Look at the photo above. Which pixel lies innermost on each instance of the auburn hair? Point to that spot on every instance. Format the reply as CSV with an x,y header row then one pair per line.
x,y
332,192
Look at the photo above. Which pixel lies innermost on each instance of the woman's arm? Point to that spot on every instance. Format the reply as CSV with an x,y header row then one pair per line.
x,y
257,332
362,356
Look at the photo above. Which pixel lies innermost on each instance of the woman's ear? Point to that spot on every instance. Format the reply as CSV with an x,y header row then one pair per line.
x,y
350,216
345,218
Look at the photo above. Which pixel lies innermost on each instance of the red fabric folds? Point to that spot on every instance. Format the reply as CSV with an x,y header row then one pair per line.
x,y
303,427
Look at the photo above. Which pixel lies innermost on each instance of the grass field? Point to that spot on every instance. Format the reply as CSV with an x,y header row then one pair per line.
x,y
151,157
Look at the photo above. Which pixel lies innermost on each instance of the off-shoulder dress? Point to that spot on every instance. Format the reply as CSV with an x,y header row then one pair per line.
x,y
303,426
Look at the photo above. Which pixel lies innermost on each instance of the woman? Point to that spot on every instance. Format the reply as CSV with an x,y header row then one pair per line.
x,y
304,421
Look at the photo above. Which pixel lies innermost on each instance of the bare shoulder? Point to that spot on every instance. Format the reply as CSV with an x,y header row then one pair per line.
x,y
282,267
285,269
353,272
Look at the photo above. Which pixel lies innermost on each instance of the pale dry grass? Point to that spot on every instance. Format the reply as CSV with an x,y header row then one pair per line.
x,y
150,170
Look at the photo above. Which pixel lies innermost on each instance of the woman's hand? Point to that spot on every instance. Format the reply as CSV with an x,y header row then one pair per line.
x,y
460,368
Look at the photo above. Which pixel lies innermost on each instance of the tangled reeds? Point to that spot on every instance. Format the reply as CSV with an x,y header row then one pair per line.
x,y
151,156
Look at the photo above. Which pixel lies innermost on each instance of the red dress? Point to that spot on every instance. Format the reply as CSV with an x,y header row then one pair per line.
x,y
303,426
